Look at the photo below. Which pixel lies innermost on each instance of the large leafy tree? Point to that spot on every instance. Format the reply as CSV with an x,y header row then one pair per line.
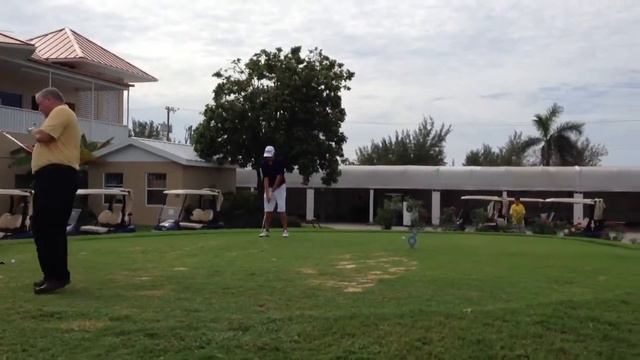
x,y
422,146
285,99
558,140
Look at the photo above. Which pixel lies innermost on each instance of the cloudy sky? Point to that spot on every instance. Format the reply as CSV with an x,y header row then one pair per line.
x,y
485,67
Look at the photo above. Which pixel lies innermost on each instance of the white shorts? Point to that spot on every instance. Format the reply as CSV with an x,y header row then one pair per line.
x,y
277,197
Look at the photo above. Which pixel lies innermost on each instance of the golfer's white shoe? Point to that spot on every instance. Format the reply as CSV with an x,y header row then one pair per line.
x,y
285,233
264,233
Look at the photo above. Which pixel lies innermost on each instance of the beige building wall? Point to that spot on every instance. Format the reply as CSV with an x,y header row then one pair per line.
x,y
135,176
204,177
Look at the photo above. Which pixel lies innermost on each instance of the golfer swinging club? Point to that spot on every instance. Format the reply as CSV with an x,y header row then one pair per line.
x,y
275,191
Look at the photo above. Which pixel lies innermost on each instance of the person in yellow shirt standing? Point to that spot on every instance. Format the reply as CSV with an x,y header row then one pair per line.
x,y
517,212
55,162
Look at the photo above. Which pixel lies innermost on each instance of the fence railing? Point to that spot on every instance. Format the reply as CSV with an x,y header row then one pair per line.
x,y
19,120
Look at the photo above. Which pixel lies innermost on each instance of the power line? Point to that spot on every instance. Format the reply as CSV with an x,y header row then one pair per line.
x,y
493,124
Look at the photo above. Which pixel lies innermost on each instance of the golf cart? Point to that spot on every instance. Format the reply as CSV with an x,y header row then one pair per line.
x,y
197,211
497,210
14,224
590,226
110,220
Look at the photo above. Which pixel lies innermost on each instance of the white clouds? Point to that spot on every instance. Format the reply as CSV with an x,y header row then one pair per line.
x,y
463,62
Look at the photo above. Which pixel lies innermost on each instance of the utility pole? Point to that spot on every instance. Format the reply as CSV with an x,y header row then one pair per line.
x,y
170,110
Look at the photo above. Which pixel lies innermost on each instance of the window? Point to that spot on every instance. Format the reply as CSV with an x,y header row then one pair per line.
x,y
113,180
156,185
23,181
34,104
10,99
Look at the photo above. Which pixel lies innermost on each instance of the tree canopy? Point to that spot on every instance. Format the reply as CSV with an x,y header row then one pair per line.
x,y
557,144
146,129
285,99
422,146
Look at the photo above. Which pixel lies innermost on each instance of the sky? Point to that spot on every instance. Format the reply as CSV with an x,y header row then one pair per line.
x,y
485,67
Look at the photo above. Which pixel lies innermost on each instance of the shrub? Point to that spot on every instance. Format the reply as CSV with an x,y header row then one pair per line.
x,y
479,216
244,209
418,213
448,216
543,227
385,217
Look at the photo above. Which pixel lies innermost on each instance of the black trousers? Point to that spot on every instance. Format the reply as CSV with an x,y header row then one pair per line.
x,y
54,192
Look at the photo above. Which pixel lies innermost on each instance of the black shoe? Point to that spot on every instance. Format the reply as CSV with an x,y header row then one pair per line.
x,y
41,282
49,287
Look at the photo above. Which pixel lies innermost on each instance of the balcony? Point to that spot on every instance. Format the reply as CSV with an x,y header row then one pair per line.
x,y
18,120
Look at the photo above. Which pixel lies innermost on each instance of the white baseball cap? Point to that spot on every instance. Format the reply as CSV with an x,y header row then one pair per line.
x,y
269,151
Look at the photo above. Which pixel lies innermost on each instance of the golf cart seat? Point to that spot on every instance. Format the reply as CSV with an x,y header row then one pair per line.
x,y
10,222
196,215
105,218
207,215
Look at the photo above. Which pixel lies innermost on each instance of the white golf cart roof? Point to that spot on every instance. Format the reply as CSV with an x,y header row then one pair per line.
x,y
571,201
202,192
211,192
15,192
125,192
497,198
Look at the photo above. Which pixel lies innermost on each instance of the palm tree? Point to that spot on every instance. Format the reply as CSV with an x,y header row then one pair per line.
x,y
558,139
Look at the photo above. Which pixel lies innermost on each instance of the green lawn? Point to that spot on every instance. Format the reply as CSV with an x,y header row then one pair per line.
x,y
325,294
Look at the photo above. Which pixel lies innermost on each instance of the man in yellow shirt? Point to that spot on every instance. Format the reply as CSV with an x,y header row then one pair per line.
x,y
55,162
517,212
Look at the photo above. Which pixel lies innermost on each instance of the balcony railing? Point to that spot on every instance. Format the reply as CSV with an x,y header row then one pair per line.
x,y
19,120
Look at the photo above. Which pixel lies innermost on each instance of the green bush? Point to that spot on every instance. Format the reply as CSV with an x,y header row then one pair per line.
x,y
479,216
448,217
244,209
418,213
385,217
542,227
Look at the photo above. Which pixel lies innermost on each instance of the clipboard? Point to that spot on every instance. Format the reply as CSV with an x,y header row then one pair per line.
x,y
26,148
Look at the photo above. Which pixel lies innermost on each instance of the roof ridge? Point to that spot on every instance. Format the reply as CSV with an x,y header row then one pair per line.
x,y
71,34
45,34
15,38
108,51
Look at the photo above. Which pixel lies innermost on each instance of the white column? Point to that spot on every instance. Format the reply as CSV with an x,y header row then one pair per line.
x,y
127,107
49,78
310,204
93,101
371,206
435,207
578,209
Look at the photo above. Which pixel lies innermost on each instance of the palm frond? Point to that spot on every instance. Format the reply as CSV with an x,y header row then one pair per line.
x,y
542,125
554,111
569,128
564,149
530,142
